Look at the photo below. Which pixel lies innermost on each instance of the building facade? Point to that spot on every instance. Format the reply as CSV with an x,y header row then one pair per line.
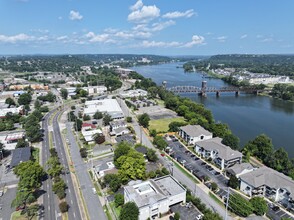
x,y
194,133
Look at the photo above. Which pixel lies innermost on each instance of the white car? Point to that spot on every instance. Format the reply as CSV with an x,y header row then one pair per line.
x,y
94,190
198,217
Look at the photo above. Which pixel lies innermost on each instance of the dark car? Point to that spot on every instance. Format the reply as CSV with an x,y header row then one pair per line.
x,y
187,151
192,155
276,208
196,158
171,218
203,164
217,173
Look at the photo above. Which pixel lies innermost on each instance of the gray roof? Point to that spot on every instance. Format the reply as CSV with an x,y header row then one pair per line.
x,y
20,155
195,130
141,149
120,123
154,190
224,152
119,130
269,177
239,168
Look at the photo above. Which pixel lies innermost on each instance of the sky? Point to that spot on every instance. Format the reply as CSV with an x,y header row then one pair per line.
x,y
162,27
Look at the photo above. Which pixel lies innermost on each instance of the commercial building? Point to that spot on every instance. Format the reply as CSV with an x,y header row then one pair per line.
x,y
33,86
10,94
222,155
269,183
194,133
155,196
109,106
4,111
10,139
133,93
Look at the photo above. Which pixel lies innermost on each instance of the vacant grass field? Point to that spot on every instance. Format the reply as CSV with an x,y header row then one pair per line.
x,y
161,125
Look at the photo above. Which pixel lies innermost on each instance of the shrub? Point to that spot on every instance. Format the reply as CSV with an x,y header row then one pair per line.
x,y
63,206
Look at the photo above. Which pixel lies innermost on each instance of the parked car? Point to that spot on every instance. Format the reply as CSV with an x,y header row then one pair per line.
x,y
203,164
196,158
200,216
94,190
183,161
193,155
276,208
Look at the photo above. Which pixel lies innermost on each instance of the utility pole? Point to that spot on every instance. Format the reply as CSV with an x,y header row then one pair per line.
x,y
227,203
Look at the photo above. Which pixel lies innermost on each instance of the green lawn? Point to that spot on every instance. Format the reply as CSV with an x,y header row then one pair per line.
x,y
17,216
161,125
215,198
35,154
117,210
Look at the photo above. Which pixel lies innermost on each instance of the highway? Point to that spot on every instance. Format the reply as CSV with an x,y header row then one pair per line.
x,y
74,210
94,206
199,190
49,199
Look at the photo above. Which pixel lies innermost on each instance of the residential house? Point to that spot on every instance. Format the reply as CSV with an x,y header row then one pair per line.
x,y
117,124
194,133
155,196
20,155
119,131
222,155
104,168
269,183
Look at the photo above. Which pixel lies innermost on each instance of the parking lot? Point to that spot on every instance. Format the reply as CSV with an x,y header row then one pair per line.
x,y
5,203
275,213
195,165
186,211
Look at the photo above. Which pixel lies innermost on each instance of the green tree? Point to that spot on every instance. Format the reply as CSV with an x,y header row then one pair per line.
x,y
9,101
144,120
174,126
151,155
177,216
118,199
23,197
259,205
24,99
131,166
22,143
38,114
214,187
54,167
9,125
113,181
63,206
98,115
152,132
30,174
233,182
32,211
99,138
129,119
86,117
37,104
59,187
129,211
106,119
159,142
44,109
239,205
122,148
211,216
231,141
78,124
83,152
64,93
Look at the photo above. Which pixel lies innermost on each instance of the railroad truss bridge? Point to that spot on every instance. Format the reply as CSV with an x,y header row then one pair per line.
x,y
203,90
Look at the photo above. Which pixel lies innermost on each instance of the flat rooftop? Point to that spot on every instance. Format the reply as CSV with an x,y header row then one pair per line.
x,y
154,190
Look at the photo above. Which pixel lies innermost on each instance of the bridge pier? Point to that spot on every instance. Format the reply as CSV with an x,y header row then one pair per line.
x,y
217,94
237,93
255,92
203,94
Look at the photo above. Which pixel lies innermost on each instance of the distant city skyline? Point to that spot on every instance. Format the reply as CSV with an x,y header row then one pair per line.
x,y
146,27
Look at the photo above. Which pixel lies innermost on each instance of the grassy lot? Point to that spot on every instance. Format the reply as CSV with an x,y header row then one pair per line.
x,y
215,198
161,125
17,216
160,102
116,210
107,212
36,154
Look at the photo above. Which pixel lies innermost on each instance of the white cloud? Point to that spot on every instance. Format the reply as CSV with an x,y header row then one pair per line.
x,y
244,36
103,38
145,14
62,38
162,25
75,15
196,40
15,38
177,14
147,44
137,5
222,39
266,40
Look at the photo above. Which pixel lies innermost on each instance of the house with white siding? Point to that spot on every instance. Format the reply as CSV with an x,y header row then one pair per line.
x,y
194,133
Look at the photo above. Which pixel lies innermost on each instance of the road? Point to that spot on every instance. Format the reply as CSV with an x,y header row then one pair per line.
x,y
177,173
74,210
49,199
94,206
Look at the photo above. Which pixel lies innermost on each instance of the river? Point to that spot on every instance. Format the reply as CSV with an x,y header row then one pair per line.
x,y
247,115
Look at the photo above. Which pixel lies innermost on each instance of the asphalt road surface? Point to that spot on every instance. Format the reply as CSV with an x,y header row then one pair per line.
x,y
95,209
74,211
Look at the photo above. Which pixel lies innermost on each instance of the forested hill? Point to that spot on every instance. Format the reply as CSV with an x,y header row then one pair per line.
x,y
270,64
71,63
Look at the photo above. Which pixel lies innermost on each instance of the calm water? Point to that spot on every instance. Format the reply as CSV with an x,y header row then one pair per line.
x,y
247,115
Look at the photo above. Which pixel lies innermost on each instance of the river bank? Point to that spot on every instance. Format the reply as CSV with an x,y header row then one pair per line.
x,y
247,115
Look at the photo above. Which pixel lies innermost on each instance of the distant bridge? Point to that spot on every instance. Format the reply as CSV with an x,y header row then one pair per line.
x,y
203,90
